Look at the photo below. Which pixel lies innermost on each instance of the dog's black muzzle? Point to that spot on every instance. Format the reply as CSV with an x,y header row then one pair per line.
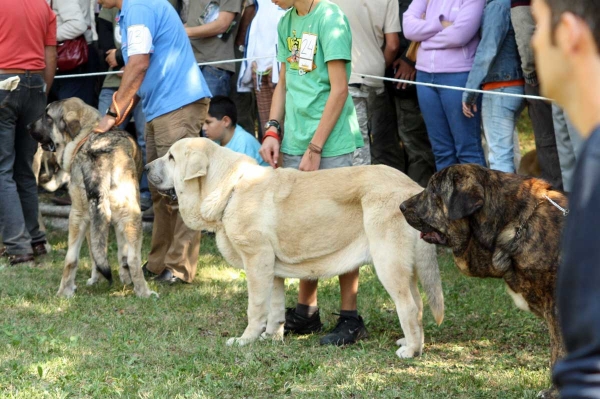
x,y
170,193
39,132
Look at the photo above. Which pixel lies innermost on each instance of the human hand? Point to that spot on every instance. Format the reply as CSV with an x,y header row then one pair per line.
x,y
446,24
469,110
404,71
310,161
105,124
111,58
269,151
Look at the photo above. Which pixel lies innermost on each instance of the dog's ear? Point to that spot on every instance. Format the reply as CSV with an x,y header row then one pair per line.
x,y
196,165
465,200
72,124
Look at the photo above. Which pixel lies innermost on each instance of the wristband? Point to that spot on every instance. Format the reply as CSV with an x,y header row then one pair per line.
x,y
271,134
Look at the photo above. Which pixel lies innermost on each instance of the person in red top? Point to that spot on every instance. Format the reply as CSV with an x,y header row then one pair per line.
x,y
27,66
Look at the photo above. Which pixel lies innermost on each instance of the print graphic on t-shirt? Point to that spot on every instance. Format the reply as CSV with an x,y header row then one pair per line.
x,y
295,46
210,14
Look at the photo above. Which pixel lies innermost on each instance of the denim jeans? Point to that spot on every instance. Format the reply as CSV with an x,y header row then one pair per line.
x,y
18,187
104,101
540,113
569,144
454,137
218,80
499,115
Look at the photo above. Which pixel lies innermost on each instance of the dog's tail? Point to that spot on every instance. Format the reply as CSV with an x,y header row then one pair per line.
x,y
429,274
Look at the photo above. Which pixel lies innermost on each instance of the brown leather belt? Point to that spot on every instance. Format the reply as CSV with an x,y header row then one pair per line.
x,y
21,71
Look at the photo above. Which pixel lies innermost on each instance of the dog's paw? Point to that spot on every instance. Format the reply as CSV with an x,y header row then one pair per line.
x,y
91,281
238,341
551,393
147,294
278,336
401,342
67,292
404,352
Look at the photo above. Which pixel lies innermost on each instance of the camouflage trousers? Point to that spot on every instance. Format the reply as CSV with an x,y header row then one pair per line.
x,y
365,99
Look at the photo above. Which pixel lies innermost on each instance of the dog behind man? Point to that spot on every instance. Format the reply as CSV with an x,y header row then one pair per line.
x,y
104,189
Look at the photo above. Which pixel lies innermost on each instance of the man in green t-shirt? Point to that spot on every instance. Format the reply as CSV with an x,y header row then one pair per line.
x,y
321,131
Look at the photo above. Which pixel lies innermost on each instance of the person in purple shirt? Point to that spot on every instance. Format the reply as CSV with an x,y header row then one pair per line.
x,y
448,32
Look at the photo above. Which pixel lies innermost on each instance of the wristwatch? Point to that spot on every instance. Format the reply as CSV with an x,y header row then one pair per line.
x,y
110,113
275,124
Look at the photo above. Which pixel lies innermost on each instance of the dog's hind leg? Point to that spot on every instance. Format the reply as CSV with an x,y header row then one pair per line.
x,y
399,279
123,249
414,289
276,317
132,236
259,264
77,229
95,275
99,228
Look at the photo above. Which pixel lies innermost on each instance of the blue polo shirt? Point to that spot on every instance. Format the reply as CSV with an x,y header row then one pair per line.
x,y
173,78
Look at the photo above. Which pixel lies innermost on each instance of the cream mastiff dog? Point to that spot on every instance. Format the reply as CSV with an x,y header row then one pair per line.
x,y
285,223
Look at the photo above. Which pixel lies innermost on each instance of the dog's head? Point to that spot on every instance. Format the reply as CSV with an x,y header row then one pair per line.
x,y
185,161
442,210
61,123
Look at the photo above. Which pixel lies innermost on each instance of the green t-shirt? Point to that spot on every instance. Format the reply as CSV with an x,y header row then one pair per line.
x,y
308,91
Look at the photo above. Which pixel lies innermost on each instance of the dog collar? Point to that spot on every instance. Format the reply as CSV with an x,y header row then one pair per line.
x,y
564,211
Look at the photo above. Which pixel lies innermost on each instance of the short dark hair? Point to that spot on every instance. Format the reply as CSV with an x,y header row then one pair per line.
x,y
587,10
221,106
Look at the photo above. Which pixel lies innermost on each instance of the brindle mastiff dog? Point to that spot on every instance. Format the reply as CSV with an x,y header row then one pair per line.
x,y
498,225
104,189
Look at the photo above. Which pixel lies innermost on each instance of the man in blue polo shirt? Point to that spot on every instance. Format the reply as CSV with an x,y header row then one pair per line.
x,y
161,69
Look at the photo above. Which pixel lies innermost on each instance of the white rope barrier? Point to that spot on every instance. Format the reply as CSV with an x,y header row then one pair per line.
x,y
85,75
495,93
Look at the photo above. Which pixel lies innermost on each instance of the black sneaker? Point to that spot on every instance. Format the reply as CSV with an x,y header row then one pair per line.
x,y
347,331
298,324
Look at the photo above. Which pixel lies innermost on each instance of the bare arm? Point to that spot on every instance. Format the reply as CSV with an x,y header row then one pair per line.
x,y
214,28
331,113
392,44
269,150
247,17
133,76
335,102
50,70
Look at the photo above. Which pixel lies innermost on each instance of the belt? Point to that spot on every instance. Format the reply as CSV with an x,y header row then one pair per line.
x,y
21,72
499,85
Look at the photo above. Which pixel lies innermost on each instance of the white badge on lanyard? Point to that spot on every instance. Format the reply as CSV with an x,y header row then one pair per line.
x,y
307,51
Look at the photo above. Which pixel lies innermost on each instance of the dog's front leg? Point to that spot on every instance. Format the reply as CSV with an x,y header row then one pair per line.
x,y
77,229
259,268
276,318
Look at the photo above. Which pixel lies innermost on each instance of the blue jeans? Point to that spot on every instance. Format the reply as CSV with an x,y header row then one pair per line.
x,y
18,188
499,115
104,101
218,80
454,137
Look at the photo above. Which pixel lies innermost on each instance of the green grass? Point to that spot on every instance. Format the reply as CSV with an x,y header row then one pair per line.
x,y
107,343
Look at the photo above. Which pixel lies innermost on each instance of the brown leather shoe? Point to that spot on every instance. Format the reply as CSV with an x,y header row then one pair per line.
x,y
17,259
39,249
3,252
